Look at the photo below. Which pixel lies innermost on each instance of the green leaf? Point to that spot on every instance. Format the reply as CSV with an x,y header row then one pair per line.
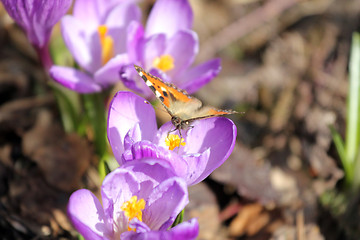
x,y
356,175
104,166
59,53
353,106
339,144
69,106
179,219
96,114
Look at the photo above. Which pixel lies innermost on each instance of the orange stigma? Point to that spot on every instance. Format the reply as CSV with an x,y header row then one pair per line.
x,y
133,209
164,62
107,44
173,141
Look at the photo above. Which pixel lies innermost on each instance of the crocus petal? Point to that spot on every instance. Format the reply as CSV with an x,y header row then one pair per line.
x,y
126,110
209,142
119,35
195,78
123,14
135,50
121,184
93,12
165,202
118,26
197,163
87,11
135,42
146,149
73,79
131,79
46,14
84,47
154,47
169,16
150,170
185,231
139,226
183,47
151,173
87,215
133,136
37,17
217,134
19,11
109,73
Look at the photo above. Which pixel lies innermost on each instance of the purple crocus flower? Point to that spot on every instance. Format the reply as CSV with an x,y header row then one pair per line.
x,y
140,200
184,231
167,48
97,36
37,18
133,134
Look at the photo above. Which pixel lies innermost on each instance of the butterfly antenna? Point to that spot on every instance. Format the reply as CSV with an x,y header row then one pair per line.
x,y
177,151
160,108
178,147
168,133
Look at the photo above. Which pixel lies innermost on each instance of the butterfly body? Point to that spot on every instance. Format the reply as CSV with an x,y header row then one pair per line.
x,y
182,107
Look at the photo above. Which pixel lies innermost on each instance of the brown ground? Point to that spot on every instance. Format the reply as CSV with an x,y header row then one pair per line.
x,y
284,64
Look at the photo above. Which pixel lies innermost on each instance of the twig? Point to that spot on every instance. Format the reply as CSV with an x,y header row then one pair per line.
x,y
261,18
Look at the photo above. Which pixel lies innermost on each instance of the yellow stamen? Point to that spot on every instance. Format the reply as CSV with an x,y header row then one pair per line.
x,y
164,62
173,141
107,44
133,209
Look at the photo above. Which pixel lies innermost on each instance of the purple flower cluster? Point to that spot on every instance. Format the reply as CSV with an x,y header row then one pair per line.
x,y
140,199
107,38
167,48
97,35
133,135
152,170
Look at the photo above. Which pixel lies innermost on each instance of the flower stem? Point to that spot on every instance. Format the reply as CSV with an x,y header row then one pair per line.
x,y
45,57
352,140
95,111
68,103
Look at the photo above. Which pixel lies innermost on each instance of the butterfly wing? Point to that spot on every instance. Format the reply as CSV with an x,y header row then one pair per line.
x,y
176,101
168,94
207,112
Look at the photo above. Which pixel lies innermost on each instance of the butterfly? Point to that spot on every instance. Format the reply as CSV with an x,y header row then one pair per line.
x,y
182,107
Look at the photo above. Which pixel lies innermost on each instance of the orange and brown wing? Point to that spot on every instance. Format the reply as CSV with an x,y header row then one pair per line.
x,y
167,93
176,101
207,112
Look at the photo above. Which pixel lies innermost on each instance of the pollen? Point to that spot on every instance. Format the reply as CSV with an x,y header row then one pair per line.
x,y
173,141
133,209
164,62
107,44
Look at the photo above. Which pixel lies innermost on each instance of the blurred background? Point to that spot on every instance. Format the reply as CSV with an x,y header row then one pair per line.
x,y
284,66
